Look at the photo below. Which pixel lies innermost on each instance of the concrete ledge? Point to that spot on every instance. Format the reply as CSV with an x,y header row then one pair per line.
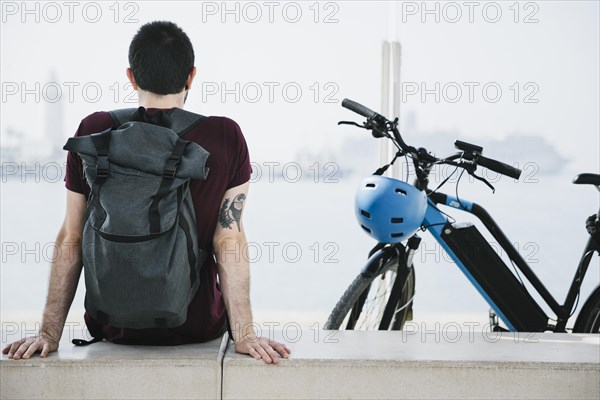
x,y
109,371
324,364
393,365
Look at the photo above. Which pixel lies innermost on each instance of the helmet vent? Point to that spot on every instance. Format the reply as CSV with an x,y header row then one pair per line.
x,y
370,185
366,229
400,191
365,214
396,235
397,220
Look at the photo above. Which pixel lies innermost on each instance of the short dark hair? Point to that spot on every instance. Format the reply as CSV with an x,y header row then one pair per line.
x,y
161,57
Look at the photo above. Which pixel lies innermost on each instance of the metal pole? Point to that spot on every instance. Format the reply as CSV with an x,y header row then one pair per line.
x,y
390,99
395,70
390,85
385,99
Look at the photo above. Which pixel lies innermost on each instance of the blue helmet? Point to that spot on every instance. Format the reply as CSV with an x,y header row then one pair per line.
x,y
389,210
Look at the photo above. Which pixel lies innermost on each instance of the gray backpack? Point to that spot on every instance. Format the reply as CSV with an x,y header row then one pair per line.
x,y
140,248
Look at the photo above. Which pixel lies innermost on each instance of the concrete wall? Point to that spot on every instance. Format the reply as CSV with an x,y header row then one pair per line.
x,y
109,371
398,365
324,364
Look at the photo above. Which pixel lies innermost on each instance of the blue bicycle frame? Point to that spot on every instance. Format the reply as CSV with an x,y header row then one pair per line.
x,y
488,273
438,225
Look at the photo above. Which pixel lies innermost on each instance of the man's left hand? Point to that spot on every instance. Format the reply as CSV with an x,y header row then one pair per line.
x,y
262,348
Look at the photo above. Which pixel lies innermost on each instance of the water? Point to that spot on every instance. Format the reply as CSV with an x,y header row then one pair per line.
x,y
306,247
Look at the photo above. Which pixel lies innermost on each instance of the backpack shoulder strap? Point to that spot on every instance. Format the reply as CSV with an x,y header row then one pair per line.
x,y
182,121
121,116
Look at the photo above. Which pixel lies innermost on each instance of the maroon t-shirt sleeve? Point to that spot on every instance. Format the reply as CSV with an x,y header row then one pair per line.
x,y
241,168
74,177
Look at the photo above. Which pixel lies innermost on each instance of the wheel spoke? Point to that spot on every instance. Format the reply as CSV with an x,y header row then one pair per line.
x,y
375,303
367,303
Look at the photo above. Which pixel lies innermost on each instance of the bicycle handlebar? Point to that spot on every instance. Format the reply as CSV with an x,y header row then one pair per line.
x,y
494,165
499,167
359,108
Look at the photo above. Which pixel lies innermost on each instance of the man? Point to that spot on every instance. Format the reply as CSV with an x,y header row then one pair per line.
x,y
161,59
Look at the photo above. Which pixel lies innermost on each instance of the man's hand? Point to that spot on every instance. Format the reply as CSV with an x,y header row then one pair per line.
x,y
27,347
262,348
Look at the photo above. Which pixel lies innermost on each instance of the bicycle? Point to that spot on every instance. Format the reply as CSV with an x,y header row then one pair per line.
x,y
381,296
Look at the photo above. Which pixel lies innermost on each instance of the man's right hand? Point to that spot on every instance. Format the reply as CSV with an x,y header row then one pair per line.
x,y
27,347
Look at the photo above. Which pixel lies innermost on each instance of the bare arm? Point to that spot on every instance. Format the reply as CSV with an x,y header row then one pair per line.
x,y
64,276
229,243
230,246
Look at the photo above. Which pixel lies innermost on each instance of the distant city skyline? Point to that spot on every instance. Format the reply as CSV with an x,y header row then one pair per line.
x,y
20,145
359,153
529,152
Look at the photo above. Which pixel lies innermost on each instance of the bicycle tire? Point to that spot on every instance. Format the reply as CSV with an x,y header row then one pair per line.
x,y
353,304
588,320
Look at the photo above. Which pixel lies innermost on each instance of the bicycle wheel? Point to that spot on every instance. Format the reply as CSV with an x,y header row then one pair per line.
x,y
588,320
381,302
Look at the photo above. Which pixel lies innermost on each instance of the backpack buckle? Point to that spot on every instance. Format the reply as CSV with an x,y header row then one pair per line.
x,y
171,166
169,174
102,166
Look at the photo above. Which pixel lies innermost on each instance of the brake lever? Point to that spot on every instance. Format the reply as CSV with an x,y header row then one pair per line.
x,y
375,131
351,123
470,167
482,179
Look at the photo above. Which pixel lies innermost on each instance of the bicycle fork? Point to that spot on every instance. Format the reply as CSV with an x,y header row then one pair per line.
x,y
412,245
404,269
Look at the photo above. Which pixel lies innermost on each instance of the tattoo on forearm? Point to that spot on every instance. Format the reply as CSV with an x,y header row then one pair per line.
x,y
232,211
224,218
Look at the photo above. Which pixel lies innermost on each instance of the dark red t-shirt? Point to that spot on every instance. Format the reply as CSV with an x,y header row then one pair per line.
x,y
229,166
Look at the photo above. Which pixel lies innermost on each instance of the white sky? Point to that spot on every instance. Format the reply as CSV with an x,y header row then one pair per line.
x,y
558,55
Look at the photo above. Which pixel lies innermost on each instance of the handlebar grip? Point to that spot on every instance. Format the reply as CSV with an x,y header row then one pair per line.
x,y
499,167
358,108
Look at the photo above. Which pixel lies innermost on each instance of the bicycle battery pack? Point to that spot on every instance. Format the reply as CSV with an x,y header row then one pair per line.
x,y
495,278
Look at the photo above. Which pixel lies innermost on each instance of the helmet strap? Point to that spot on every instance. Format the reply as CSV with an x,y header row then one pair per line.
x,y
381,170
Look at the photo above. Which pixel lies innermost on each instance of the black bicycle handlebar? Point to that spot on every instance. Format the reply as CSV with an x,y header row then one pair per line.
x,y
359,109
494,165
499,167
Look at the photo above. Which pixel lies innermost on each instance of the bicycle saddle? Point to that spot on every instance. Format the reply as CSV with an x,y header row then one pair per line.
x,y
587,179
